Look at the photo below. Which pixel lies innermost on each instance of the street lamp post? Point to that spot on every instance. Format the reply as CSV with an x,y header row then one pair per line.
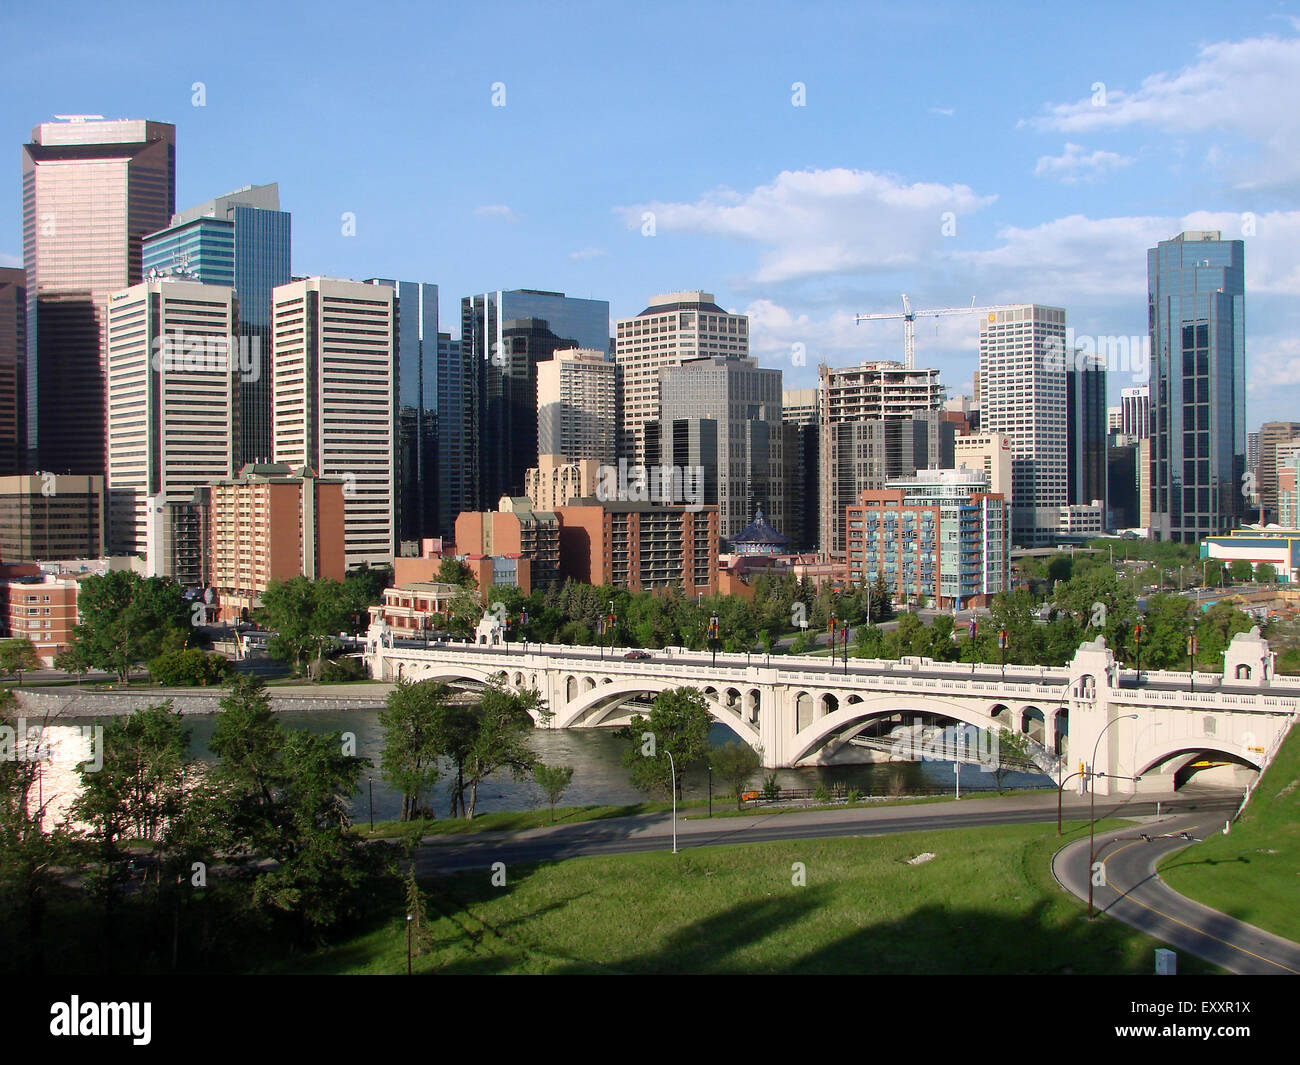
x,y
672,768
1003,639
409,919
1092,804
371,782
713,636
1137,644
613,625
1191,663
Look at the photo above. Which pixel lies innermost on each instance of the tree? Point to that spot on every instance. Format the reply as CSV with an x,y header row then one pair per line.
x,y
1213,572
450,571
736,764
415,912
28,853
678,724
1240,570
281,794
139,790
127,619
409,760
18,654
502,720
1012,755
553,780
72,659
882,600
1265,573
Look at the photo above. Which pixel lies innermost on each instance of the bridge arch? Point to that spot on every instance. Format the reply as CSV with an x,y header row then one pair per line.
x,y
604,699
823,729
1181,757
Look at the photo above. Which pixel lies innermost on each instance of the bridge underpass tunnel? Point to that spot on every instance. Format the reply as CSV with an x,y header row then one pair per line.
x,y
1206,767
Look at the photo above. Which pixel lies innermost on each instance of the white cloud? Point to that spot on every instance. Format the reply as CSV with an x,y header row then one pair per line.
x,y
1073,165
497,210
587,253
947,112
1248,88
814,223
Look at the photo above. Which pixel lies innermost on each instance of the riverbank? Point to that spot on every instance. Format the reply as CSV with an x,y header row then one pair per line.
x,y
126,699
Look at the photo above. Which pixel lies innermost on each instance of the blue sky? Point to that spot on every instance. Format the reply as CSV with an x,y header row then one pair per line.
x,y
801,216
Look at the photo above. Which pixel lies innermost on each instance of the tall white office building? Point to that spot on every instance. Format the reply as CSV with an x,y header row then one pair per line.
x,y
172,398
674,328
1023,395
333,393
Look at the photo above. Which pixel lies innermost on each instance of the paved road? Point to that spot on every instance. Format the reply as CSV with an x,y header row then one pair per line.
x,y
651,832
1134,894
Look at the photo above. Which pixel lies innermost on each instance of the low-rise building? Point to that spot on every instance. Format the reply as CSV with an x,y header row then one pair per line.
x,y
513,531
416,609
42,608
1257,544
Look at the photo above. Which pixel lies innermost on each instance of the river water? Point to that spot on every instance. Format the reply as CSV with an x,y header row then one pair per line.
x,y
596,756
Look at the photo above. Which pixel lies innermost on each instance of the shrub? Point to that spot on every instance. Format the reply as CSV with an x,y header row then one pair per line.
x,y
336,670
771,789
189,668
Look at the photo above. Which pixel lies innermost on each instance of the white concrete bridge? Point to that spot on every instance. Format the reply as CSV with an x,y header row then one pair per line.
x,y
801,710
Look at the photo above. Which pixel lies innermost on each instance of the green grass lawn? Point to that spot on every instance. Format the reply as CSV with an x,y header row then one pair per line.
x,y
986,903
1253,873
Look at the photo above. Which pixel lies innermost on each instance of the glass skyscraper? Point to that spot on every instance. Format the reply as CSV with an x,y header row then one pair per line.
x,y
242,240
91,190
1196,310
504,335
419,373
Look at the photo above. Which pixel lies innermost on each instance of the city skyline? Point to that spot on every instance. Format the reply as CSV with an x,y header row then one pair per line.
x,y
801,229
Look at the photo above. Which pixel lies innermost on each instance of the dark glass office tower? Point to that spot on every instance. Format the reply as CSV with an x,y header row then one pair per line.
x,y
13,371
455,422
417,431
504,335
1196,309
92,189
243,240
1085,420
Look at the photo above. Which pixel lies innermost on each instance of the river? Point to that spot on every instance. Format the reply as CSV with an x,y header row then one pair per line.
x,y
599,777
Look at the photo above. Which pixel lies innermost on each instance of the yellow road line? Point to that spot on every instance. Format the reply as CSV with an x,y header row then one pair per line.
x,y
1191,928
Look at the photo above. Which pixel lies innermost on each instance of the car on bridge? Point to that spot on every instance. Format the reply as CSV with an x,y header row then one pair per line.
x,y
637,655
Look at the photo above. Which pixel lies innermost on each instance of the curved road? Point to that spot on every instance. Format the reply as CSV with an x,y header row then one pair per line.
x,y
1135,894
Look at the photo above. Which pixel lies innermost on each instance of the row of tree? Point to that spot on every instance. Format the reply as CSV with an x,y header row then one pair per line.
x,y
270,811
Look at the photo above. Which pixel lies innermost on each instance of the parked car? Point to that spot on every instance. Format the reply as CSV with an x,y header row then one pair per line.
x,y
638,655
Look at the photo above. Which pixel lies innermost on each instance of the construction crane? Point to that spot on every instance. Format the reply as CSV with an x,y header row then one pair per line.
x,y
910,316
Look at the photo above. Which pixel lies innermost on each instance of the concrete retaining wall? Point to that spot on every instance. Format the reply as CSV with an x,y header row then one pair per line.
x,y
74,702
